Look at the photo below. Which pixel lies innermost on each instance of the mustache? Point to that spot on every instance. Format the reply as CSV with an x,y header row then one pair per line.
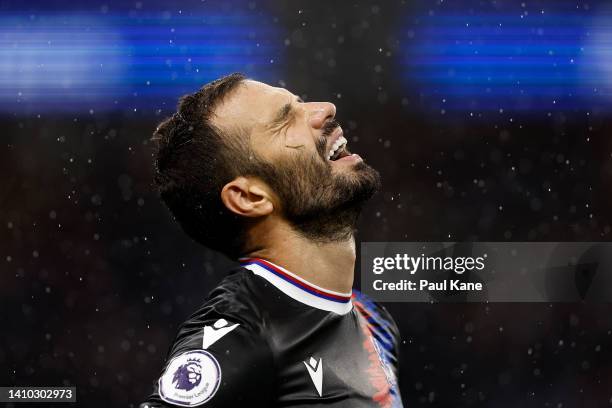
x,y
329,127
327,130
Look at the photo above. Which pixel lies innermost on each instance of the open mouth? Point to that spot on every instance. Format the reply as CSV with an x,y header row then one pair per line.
x,y
338,149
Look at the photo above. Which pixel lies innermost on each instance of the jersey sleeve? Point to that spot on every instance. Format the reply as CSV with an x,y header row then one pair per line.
x,y
217,360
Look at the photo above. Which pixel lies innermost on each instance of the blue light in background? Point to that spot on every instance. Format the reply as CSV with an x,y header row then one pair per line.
x,y
57,62
503,62
79,62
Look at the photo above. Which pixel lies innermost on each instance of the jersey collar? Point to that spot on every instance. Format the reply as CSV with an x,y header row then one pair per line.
x,y
298,288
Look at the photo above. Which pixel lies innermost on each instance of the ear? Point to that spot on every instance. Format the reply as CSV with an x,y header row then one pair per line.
x,y
247,197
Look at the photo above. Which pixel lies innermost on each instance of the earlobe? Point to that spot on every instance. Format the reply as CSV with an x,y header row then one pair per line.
x,y
244,197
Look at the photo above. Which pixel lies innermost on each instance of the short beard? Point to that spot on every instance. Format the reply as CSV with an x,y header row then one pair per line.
x,y
320,205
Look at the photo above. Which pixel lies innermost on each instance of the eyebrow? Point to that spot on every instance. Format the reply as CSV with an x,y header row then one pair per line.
x,y
284,113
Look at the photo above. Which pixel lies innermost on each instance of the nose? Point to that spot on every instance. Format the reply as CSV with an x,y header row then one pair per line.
x,y
320,112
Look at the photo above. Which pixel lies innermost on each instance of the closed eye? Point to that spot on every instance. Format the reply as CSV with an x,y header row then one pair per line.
x,y
285,114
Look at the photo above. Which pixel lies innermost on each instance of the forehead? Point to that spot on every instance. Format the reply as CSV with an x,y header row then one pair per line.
x,y
251,103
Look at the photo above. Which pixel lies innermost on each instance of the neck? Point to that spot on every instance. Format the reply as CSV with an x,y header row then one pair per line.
x,y
329,265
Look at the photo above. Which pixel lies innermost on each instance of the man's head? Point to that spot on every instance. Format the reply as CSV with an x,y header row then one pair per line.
x,y
239,151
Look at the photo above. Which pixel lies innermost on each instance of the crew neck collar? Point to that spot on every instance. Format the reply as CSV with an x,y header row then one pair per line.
x,y
299,288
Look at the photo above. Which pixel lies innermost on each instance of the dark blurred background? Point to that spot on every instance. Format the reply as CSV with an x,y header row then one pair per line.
x,y
488,120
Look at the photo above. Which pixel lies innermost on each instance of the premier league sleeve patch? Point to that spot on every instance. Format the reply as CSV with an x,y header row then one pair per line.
x,y
190,379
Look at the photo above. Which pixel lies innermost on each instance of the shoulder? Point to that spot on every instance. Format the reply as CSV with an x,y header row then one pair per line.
x,y
217,351
232,303
236,296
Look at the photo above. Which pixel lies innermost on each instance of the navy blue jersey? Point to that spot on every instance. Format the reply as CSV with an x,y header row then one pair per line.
x,y
267,338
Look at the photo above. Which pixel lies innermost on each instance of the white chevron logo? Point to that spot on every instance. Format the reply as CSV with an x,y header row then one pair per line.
x,y
315,370
213,333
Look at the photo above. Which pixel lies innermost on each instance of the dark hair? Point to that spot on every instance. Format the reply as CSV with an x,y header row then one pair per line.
x,y
194,160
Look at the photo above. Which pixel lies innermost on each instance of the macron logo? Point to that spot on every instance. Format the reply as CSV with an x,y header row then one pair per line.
x,y
213,333
315,369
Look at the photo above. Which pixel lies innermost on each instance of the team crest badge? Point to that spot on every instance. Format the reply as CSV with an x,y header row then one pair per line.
x,y
190,379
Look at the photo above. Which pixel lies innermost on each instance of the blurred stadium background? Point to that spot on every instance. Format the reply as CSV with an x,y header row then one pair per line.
x,y
489,120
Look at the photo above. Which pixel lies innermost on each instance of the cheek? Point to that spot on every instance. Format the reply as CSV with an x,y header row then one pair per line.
x,y
298,137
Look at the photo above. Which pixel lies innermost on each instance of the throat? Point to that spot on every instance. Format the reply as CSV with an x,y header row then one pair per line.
x,y
330,266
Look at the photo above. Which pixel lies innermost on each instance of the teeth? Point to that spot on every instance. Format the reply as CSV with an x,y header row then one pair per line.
x,y
341,141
